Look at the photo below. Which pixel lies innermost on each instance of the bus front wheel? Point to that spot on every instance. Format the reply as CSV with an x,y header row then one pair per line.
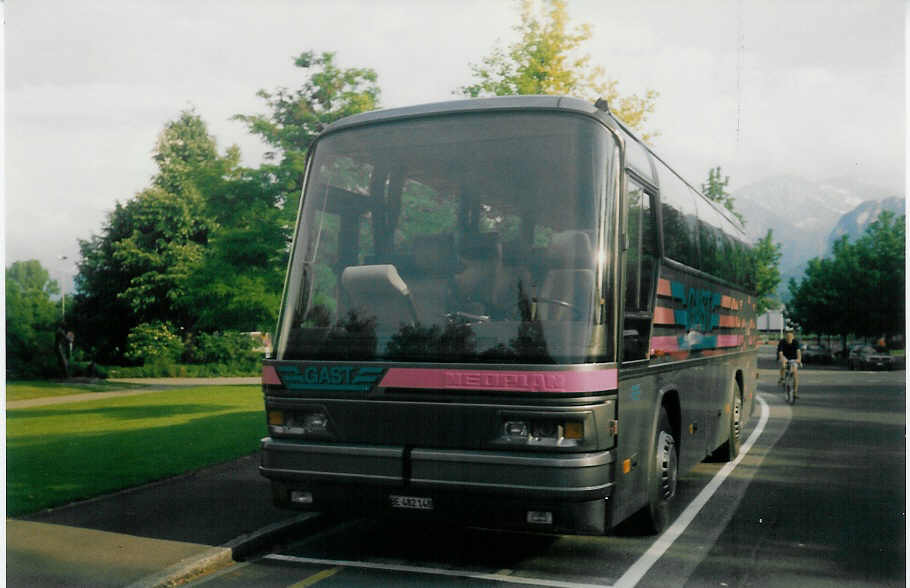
x,y
662,475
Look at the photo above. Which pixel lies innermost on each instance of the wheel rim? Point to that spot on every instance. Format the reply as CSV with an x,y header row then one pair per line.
x,y
737,415
667,465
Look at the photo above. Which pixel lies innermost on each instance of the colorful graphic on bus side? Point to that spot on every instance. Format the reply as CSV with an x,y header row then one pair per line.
x,y
709,319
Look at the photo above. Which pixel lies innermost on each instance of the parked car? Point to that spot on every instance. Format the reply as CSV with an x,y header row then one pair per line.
x,y
866,357
817,354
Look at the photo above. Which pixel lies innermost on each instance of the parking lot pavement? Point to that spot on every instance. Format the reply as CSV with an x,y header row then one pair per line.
x,y
197,519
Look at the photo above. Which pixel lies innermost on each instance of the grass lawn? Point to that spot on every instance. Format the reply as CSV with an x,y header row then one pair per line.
x,y
28,389
60,453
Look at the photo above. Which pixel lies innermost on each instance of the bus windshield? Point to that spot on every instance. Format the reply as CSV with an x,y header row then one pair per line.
x,y
464,238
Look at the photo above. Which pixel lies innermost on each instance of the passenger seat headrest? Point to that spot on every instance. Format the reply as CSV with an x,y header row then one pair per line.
x,y
571,249
364,282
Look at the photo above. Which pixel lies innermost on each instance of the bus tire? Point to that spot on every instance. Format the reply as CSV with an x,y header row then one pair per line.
x,y
730,449
663,469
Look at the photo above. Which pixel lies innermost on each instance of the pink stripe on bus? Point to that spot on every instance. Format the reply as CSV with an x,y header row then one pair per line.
x,y
727,320
664,316
729,340
667,343
663,287
270,376
510,381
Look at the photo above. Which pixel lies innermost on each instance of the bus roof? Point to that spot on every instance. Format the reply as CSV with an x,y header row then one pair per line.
x,y
565,103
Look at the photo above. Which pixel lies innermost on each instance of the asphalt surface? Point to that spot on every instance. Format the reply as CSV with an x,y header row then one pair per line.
x,y
828,508
387,552
818,501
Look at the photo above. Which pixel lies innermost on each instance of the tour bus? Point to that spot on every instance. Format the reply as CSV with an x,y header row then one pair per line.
x,y
506,312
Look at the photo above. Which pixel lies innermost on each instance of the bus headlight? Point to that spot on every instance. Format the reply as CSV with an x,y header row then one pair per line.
x,y
547,430
516,429
574,430
557,431
313,422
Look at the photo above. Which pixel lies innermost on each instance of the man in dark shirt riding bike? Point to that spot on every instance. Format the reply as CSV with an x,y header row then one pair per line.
x,y
788,350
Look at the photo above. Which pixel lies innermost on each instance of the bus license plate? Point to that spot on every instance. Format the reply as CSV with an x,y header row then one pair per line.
x,y
413,502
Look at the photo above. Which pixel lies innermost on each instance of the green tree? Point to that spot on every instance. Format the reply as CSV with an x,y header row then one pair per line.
x,y
546,60
167,240
187,156
765,262
296,117
860,289
880,259
31,316
817,302
716,189
238,283
205,246
135,270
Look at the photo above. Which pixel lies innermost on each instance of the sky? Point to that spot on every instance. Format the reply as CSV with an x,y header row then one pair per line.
x,y
812,88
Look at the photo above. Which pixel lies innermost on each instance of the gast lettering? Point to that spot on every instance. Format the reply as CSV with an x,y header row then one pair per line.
x,y
344,378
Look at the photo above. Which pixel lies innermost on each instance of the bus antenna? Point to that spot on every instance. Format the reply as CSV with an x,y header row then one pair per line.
x,y
601,104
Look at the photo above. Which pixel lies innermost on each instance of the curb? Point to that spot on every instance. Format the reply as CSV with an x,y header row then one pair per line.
x,y
186,569
246,545
216,558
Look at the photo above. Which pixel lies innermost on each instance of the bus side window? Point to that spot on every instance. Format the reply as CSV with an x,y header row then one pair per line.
x,y
679,218
639,279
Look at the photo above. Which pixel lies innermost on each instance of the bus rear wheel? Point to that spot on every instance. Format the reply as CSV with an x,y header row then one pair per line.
x,y
663,470
730,449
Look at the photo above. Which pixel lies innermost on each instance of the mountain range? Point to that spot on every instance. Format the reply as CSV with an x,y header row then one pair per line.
x,y
854,223
808,216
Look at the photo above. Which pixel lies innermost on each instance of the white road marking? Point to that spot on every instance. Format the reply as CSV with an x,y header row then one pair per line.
x,y
430,571
629,579
637,571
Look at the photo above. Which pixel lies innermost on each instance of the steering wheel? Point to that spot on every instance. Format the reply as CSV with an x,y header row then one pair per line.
x,y
576,313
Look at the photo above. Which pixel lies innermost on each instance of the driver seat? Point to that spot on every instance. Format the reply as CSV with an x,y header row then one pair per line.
x,y
571,279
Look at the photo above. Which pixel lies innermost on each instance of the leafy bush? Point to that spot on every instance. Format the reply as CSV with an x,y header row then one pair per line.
x,y
151,343
40,365
226,347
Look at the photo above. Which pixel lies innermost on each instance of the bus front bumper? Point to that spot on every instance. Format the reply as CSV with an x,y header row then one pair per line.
x,y
502,489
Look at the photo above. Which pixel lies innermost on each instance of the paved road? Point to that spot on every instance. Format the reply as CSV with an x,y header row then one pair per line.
x,y
818,500
828,506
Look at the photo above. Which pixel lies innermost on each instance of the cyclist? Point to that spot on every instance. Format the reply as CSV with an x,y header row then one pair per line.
x,y
788,350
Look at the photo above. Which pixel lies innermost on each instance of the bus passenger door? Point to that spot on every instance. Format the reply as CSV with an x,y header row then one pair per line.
x,y
640,272
637,401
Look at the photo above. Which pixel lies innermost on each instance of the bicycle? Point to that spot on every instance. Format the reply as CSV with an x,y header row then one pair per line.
x,y
788,384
